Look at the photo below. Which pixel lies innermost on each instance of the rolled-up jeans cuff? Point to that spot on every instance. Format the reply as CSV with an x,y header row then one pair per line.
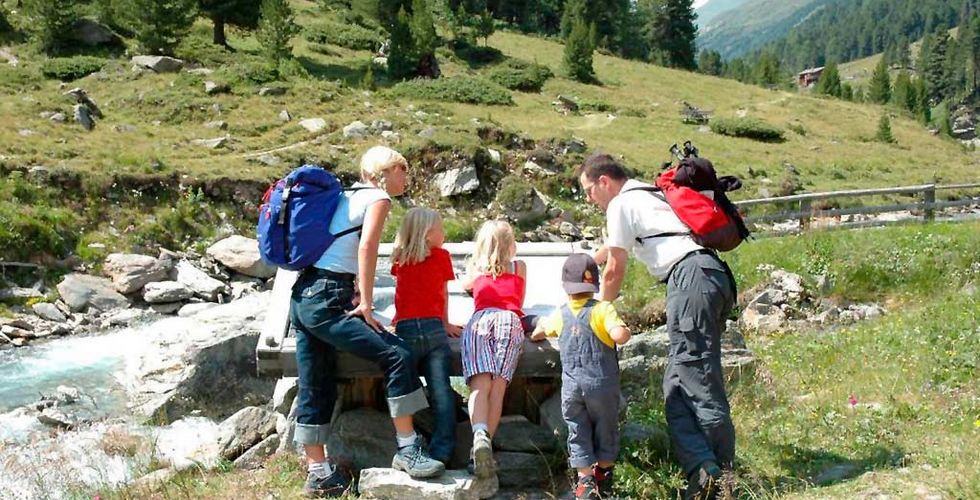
x,y
408,404
311,433
580,461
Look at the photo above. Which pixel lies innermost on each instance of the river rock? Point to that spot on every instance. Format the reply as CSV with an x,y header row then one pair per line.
x,y
159,64
283,395
193,308
55,418
242,255
522,470
130,272
516,433
49,311
313,125
452,485
363,437
188,442
256,455
161,292
355,130
166,308
200,282
457,181
81,291
243,430
203,364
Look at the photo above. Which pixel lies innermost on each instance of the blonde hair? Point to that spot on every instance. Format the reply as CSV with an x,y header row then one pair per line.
x,y
411,246
494,252
377,160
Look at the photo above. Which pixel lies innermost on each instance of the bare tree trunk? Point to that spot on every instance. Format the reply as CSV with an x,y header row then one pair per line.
x,y
219,31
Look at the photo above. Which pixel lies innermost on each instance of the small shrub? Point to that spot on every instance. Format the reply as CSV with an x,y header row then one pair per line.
x,y
71,68
350,36
456,89
519,75
797,128
250,72
884,133
749,128
595,106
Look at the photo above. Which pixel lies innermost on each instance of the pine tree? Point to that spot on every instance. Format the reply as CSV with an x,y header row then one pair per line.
x,y
904,54
423,30
574,9
240,13
923,108
847,92
903,93
460,20
401,56
884,133
880,90
925,50
159,25
276,27
671,33
578,52
5,26
829,83
767,70
367,82
51,21
937,79
485,26
710,63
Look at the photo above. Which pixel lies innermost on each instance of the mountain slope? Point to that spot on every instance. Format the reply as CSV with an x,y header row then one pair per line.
x,y
711,9
753,24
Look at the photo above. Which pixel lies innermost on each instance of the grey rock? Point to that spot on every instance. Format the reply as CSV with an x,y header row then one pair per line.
x,y
53,417
188,310
242,255
551,417
160,64
272,91
81,291
68,394
212,88
573,146
166,307
654,345
48,311
217,124
256,455
356,130
770,297
91,33
83,116
124,128
285,116
156,478
452,485
313,124
215,143
392,137
17,292
130,272
763,319
522,470
457,181
25,132
243,430
428,132
200,71
363,437
58,117
569,231
381,126
652,436
786,281
199,282
284,394
516,433
161,292
494,155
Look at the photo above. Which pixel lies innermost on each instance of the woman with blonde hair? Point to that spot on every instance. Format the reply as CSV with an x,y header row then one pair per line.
x,y
493,340
326,321
422,270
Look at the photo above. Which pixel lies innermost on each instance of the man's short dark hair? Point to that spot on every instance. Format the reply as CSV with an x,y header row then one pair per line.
x,y
600,164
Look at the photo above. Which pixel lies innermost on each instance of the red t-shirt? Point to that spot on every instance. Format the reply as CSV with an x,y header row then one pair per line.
x,y
503,292
420,289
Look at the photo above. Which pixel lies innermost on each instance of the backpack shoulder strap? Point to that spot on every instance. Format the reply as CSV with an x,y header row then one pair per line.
x,y
654,190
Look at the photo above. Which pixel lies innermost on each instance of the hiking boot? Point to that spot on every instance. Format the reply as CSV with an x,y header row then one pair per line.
x,y
587,489
703,483
333,485
482,456
414,461
604,480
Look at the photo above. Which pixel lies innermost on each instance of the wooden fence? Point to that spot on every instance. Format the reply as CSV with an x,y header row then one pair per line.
x,y
805,210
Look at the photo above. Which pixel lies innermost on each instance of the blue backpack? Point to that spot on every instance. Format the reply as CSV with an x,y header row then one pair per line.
x,y
294,219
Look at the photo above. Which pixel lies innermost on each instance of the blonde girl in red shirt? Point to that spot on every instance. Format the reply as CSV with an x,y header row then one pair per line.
x,y
422,269
493,340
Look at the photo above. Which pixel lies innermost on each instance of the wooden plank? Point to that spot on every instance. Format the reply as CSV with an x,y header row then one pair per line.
x,y
833,212
833,194
276,323
958,186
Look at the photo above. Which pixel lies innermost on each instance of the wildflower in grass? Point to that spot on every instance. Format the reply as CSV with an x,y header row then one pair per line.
x,y
851,400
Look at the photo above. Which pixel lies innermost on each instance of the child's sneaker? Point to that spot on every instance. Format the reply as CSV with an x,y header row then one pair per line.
x,y
483,466
586,489
703,482
604,480
332,485
414,461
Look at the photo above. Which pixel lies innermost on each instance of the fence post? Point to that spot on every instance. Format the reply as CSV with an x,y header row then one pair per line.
x,y
929,201
804,214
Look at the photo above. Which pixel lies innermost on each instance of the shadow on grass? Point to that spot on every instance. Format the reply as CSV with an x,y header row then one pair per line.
x,y
825,468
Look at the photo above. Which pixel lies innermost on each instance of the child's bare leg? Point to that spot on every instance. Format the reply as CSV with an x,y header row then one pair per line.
x,y
585,471
314,453
498,389
479,400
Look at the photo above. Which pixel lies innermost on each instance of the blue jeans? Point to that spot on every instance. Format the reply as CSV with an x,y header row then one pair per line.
x,y
318,313
430,345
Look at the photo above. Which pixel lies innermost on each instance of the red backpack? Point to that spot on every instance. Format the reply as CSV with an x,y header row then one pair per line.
x,y
714,223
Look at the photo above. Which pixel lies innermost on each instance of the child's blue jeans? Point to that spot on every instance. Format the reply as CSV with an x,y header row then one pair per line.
x,y
430,347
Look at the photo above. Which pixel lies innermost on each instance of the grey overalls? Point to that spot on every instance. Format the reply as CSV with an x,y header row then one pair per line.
x,y
590,394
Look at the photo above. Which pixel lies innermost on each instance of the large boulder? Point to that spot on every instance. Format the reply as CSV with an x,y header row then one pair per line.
x,y
203,364
453,485
457,181
159,64
522,470
163,292
49,311
245,429
356,130
256,455
242,255
188,442
362,438
516,433
130,272
284,394
91,33
313,124
82,291
551,417
200,282
763,318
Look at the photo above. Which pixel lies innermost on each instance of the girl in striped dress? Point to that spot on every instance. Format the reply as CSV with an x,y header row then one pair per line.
x,y
493,339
